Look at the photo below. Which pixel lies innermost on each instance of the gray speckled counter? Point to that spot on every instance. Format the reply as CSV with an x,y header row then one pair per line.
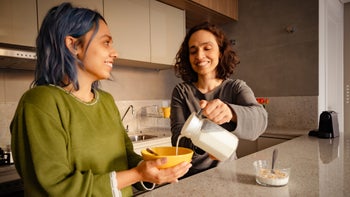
x,y
319,167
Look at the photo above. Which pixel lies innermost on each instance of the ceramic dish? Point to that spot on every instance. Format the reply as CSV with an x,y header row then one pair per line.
x,y
184,154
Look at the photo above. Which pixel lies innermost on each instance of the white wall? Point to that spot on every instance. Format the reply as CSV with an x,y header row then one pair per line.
x,y
331,21
347,66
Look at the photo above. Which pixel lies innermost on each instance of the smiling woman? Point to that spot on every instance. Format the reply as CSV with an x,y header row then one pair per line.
x,y
67,135
205,62
97,55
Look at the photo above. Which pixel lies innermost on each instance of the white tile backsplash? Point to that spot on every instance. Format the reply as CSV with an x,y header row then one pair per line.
x,y
7,110
140,121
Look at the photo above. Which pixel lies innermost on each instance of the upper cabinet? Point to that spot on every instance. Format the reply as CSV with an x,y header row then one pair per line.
x,y
215,11
167,32
129,24
146,33
18,22
226,7
44,6
20,19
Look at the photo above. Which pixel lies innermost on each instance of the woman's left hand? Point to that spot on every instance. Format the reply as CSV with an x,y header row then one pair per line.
x,y
216,111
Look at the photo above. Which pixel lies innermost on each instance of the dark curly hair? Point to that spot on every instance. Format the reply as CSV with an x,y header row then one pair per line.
x,y
227,62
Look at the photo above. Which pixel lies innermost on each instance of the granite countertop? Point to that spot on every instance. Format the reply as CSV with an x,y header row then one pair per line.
x,y
319,167
284,133
160,133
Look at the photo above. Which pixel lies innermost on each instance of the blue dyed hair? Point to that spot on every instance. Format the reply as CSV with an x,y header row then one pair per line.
x,y
56,64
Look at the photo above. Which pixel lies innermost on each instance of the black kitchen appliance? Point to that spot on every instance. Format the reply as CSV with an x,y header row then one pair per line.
x,y
328,126
4,157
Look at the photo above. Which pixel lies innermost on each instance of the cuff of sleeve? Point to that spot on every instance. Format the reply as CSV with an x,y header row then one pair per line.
x,y
114,184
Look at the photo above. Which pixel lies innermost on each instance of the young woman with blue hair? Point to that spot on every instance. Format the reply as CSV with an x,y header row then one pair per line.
x,y
67,134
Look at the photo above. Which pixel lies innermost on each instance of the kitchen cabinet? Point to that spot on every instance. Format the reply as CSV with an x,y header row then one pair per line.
x,y
226,7
246,147
21,19
218,12
266,142
44,6
167,32
129,24
145,33
18,22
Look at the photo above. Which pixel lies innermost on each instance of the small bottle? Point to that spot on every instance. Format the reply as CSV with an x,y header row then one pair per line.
x,y
210,137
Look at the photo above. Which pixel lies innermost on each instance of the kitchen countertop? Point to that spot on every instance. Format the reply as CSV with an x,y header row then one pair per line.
x,y
163,136
319,167
8,173
284,133
159,132
10,182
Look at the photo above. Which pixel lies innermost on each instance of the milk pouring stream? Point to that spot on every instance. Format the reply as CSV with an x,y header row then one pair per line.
x,y
210,137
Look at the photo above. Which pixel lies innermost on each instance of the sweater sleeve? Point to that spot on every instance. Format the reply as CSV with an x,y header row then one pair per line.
x,y
40,153
64,148
251,116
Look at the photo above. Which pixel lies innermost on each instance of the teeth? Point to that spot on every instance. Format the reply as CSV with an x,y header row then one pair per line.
x,y
202,63
110,64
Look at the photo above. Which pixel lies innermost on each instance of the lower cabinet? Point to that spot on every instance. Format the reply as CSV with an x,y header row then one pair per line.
x,y
246,147
266,142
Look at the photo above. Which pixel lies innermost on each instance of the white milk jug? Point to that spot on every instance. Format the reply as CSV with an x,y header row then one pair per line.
x,y
210,137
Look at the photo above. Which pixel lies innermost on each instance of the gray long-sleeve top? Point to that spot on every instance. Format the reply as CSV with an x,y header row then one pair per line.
x,y
251,116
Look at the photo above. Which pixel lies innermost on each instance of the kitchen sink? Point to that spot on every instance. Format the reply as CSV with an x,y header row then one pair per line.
x,y
141,137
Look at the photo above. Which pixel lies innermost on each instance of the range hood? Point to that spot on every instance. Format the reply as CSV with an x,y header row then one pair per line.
x,y
17,57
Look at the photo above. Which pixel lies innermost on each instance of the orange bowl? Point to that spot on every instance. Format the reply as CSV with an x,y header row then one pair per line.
x,y
184,154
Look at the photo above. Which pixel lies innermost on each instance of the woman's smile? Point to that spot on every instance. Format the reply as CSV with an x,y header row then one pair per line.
x,y
204,52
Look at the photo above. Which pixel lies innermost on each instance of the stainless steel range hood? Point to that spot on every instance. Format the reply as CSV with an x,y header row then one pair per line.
x,y
17,57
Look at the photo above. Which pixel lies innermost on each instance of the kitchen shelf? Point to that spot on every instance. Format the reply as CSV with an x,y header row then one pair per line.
x,y
141,64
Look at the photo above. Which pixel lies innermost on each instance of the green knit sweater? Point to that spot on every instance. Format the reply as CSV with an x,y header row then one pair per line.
x,y
65,147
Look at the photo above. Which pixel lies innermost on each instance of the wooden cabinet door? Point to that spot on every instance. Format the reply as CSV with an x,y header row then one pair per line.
x,y
18,22
167,32
129,23
226,7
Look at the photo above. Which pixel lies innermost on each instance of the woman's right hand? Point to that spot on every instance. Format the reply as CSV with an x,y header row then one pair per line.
x,y
150,172
217,111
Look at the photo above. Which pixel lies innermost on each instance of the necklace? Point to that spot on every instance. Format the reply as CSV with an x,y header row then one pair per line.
x,y
92,102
